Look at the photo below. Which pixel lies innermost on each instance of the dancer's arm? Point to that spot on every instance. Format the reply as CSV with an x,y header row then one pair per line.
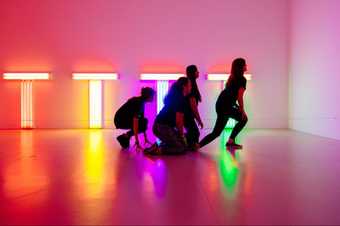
x,y
135,130
194,108
180,123
240,101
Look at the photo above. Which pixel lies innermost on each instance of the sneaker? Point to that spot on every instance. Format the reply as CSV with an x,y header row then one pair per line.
x,y
234,145
153,150
124,141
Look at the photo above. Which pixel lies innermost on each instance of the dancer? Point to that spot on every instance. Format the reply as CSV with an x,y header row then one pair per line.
x,y
131,116
226,106
169,123
191,110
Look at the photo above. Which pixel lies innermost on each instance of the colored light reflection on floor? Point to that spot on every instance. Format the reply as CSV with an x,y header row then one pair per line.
x,y
94,165
26,176
154,175
228,166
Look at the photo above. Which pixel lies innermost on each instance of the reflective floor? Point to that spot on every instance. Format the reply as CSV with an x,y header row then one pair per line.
x,y
82,177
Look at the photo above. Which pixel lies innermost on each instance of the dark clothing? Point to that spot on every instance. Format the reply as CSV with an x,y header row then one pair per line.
x,y
226,108
221,122
133,108
171,141
228,97
142,126
167,116
192,131
190,124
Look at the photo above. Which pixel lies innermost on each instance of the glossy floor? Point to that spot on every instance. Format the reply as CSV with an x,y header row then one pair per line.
x,y
82,177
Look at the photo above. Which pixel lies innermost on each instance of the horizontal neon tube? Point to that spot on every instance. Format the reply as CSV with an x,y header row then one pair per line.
x,y
160,77
26,76
95,76
224,77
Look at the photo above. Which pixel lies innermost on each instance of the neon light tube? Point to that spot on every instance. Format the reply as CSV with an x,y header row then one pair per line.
x,y
95,76
26,76
26,97
160,77
162,90
162,84
26,105
224,77
95,95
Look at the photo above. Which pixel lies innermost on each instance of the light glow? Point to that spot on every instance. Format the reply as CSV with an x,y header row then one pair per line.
x,y
224,77
95,96
95,76
26,76
162,90
160,77
26,105
26,97
162,84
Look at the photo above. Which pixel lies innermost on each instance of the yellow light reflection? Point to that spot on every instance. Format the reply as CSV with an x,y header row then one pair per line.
x,y
94,165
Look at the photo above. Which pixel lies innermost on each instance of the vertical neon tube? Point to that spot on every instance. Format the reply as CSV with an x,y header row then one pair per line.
x,y
95,96
26,105
162,90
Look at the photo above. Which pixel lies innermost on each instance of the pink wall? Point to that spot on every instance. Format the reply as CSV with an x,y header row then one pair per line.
x,y
314,67
131,36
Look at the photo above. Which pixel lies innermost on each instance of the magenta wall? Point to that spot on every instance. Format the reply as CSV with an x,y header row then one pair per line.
x,y
134,36
314,67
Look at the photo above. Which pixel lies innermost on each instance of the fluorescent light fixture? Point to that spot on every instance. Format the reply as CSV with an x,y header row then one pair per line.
x,y
162,90
95,76
26,76
95,96
162,84
160,76
224,77
26,97
26,105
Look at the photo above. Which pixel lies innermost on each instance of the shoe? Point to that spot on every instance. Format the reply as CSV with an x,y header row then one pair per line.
x,y
124,141
234,145
153,150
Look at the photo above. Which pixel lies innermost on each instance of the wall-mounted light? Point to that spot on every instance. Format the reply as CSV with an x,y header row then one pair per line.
x,y
162,84
26,97
95,94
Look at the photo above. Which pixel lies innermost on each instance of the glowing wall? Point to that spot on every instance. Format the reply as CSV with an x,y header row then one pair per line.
x,y
132,37
314,67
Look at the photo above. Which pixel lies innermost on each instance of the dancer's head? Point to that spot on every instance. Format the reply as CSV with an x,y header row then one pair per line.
x,y
147,94
238,67
182,87
193,74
